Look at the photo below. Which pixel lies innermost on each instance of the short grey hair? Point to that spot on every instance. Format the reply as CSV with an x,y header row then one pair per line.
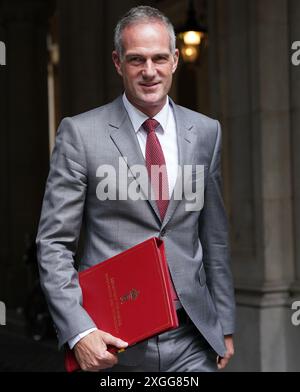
x,y
142,14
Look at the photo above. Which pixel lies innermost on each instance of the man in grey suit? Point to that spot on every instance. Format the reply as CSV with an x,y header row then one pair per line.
x,y
142,127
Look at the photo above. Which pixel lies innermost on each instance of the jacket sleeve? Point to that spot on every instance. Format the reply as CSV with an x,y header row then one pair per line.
x,y
59,230
214,237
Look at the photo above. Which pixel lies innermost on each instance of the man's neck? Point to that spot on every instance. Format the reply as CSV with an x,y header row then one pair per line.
x,y
150,111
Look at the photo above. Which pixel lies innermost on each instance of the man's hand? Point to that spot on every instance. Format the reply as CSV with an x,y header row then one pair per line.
x,y
91,351
223,361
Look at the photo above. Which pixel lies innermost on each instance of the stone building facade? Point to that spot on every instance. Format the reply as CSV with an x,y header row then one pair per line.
x,y
246,79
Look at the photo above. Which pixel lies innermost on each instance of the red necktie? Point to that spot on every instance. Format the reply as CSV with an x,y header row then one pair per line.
x,y
159,180
158,175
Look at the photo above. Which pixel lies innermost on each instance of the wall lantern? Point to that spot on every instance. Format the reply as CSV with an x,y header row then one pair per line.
x,y
190,36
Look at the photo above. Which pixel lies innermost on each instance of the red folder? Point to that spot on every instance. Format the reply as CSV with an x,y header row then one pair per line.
x,y
129,295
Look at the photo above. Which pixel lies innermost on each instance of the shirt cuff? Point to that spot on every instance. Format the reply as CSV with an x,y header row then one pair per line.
x,y
78,337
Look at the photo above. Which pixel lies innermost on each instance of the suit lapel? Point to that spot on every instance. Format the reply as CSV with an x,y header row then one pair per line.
x,y
125,139
185,142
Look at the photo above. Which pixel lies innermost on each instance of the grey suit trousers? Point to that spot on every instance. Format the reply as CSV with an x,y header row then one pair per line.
x,y
183,349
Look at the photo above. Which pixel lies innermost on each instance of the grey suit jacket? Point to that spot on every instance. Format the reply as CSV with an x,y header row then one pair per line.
x,y
196,242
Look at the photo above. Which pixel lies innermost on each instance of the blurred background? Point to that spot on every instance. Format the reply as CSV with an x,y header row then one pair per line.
x,y
238,69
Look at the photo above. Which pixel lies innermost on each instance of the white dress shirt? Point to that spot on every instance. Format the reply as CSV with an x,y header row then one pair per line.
x,y
167,136
166,133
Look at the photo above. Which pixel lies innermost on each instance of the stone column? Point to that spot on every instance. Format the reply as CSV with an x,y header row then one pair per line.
x,y
24,136
250,61
294,25
294,17
4,195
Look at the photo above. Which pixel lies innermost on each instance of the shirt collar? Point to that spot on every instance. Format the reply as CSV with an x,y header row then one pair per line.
x,y
137,117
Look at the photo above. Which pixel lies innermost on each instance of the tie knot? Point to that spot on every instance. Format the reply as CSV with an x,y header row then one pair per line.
x,y
150,125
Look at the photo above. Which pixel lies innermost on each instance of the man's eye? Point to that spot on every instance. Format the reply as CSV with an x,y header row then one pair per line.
x,y
135,60
161,59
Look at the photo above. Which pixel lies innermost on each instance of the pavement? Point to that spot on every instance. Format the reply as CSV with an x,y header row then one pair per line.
x,y
20,352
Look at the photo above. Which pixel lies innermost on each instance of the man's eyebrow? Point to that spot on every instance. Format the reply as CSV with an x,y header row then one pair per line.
x,y
133,55
163,54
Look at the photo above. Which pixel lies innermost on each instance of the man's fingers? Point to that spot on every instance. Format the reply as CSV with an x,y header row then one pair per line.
x,y
101,360
222,362
107,359
113,341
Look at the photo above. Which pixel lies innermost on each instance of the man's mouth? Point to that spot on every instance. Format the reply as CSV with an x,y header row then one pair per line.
x,y
149,84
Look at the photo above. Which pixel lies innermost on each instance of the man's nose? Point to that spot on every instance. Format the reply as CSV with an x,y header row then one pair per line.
x,y
149,70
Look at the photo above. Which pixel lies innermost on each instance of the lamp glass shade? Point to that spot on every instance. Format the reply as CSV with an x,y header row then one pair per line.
x,y
190,53
192,37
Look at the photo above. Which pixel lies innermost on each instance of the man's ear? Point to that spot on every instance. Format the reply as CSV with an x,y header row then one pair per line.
x,y
176,57
117,62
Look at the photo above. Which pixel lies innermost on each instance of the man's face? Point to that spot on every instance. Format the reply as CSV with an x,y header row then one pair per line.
x,y
147,65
